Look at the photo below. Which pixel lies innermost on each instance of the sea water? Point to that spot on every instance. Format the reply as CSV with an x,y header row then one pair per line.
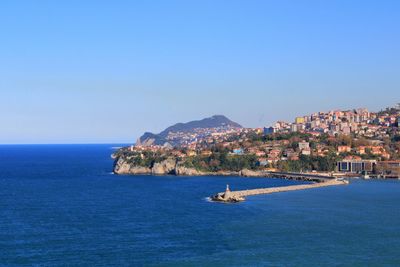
x,y
61,205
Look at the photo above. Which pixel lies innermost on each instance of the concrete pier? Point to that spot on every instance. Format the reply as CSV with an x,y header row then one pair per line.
x,y
237,196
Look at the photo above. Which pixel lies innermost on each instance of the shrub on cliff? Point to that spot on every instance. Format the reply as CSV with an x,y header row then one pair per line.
x,y
222,162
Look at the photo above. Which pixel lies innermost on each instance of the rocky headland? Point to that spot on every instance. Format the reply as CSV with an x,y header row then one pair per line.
x,y
169,166
123,165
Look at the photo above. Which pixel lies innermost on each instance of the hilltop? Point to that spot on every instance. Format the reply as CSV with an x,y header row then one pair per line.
x,y
176,134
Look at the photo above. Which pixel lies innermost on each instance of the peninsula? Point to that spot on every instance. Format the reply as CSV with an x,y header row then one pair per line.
x,y
318,148
337,143
214,146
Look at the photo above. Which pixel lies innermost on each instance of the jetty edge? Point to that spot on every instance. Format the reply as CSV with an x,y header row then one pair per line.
x,y
237,196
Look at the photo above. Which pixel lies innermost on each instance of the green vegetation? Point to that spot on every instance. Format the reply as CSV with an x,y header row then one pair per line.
x,y
143,159
309,163
222,162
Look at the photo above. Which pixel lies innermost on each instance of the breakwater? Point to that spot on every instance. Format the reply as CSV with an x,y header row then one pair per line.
x,y
237,196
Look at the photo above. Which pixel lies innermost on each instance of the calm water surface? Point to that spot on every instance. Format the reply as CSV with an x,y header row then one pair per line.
x,y
60,205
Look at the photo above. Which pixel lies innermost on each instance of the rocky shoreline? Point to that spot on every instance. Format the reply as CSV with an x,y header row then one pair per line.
x,y
167,167
171,166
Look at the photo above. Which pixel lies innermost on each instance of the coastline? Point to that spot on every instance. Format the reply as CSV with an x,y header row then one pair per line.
x,y
183,171
170,166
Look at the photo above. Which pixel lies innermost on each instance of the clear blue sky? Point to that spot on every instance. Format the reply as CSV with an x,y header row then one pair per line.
x,y
106,71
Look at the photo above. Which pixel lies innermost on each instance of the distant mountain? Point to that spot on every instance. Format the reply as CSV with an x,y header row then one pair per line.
x,y
216,121
212,122
148,139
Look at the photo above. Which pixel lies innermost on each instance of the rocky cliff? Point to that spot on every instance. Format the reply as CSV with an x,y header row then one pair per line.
x,y
123,166
170,166
167,166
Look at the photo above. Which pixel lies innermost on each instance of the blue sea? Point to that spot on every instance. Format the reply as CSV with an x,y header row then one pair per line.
x,y
60,205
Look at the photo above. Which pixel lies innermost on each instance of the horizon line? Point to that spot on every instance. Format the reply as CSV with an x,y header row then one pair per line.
x,y
33,144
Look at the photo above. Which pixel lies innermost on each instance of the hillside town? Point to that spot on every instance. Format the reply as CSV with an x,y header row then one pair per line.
x,y
352,142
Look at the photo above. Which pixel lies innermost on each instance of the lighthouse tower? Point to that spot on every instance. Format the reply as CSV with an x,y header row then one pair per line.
x,y
227,193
